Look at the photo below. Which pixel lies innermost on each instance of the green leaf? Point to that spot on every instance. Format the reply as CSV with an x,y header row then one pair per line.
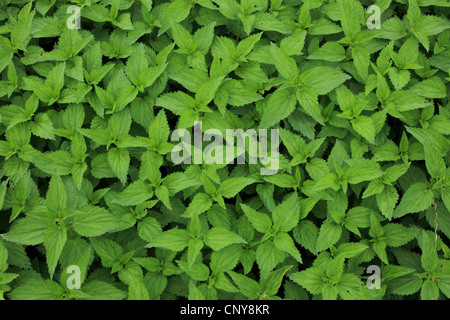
x,y
5,58
399,78
199,204
135,193
55,163
278,107
230,187
429,290
100,290
444,286
268,256
148,228
351,12
379,247
365,127
29,230
329,234
429,258
285,65
3,258
198,271
218,238
42,126
387,200
194,248
249,287
323,79
434,162
406,101
223,283
362,170
162,193
282,180
273,281
20,33
397,235
308,100
330,51
226,259
195,293
285,243
119,160
417,198
109,251
349,250
35,289
174,239
310,279
286,215
260,221
54,240
93,221
430,88
349,287
361,60
406,285
155,283
446,197
306,234
56,195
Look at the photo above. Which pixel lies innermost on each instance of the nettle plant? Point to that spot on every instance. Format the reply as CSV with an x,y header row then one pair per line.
x,y
94,207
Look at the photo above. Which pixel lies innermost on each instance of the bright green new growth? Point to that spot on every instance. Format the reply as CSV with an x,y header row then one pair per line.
x,y
93,206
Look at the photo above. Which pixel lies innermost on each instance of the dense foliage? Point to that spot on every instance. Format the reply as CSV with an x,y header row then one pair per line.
x,y
88,183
